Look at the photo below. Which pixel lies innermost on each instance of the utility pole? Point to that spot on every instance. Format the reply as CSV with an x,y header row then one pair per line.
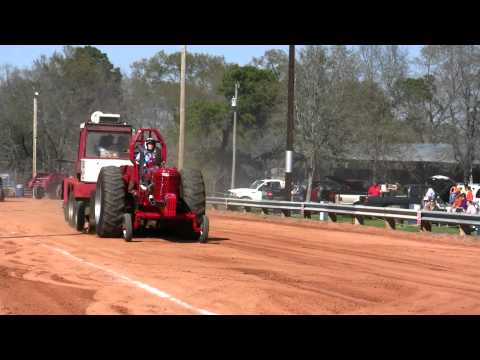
x,y
289,149
34,160
234,146
181,141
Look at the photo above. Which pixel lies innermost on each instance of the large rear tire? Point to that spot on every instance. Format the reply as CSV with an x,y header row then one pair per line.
x,y
192,192
65,210
59,191
79,215
71,209
91,213
109,202
54,191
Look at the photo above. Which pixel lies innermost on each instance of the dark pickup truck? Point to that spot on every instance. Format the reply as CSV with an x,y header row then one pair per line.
x,y
415,192
274,191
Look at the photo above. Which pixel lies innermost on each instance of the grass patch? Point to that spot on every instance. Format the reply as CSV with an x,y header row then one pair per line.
x,y
374,222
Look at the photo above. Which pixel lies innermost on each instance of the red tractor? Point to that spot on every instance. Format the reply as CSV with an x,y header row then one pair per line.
x,y
46,183
108,192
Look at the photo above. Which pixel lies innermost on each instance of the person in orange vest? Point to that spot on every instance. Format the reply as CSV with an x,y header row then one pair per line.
x,y
460,203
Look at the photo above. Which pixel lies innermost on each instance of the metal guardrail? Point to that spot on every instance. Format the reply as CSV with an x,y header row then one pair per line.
x,y
10,191
423,218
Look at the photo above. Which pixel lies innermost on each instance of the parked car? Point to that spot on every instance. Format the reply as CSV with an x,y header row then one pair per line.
x,y
255,190
273,191
353,190
325,190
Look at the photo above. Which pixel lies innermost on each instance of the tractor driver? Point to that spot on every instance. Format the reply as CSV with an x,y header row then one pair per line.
x,y
150,159
149,154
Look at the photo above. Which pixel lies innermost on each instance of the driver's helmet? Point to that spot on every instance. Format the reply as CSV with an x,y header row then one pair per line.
x,y
150,141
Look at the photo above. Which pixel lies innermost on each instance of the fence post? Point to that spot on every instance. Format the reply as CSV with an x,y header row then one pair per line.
x,y
358,219
306,213
465,229
425,226
332,216
390,223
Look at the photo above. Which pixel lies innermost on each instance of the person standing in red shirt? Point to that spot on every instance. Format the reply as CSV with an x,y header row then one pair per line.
x,y
374,190
469,193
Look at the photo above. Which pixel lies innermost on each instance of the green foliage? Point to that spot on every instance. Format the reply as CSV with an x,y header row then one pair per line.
x,y
72,85
257,94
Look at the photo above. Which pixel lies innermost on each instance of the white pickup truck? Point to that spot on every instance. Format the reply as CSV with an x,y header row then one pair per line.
x,y
254,191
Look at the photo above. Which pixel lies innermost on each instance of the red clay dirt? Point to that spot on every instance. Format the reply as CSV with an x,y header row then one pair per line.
x,y
252,265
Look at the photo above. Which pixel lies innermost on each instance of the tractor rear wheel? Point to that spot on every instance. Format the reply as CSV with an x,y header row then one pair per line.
x,y
71,209
38,192
109,202
79,215
192,192
65,210
91,213
54,191
59,191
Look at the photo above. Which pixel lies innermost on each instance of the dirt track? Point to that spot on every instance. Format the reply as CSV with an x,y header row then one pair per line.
x,y
249,267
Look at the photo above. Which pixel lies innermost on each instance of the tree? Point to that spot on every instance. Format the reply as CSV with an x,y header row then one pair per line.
x,y
326,77
152,91
258,97
72,85
456,73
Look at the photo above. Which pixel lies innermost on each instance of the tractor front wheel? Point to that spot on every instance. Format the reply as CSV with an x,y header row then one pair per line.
x,y
127,227
204,227
109,202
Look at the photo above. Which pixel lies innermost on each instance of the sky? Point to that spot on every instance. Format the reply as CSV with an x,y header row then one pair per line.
x,y
124,55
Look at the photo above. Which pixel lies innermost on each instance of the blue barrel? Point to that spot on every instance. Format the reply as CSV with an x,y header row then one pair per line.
x,y
19,190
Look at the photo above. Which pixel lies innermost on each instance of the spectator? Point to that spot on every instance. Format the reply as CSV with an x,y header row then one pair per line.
x,y
471,209
429,196
453,194
469,196
459,203
374,190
